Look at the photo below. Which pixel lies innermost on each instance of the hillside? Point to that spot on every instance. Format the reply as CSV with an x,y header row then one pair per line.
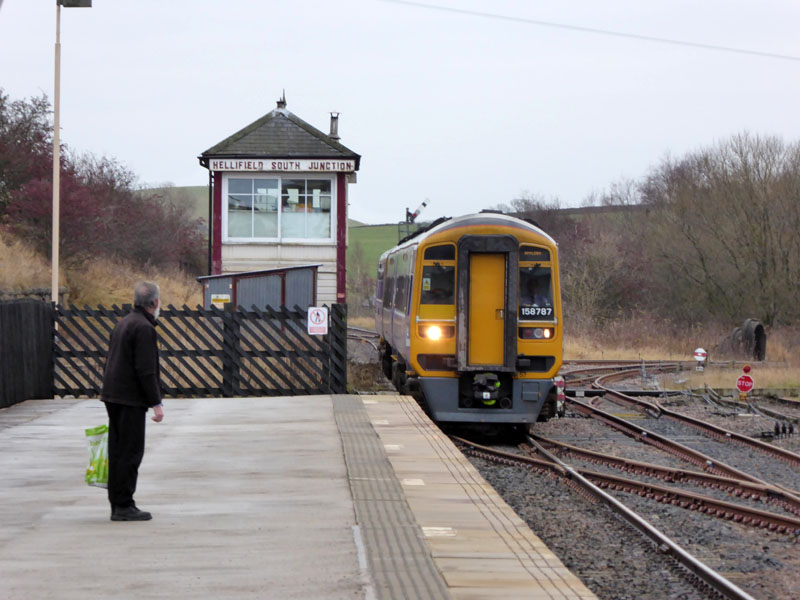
x,y
373,240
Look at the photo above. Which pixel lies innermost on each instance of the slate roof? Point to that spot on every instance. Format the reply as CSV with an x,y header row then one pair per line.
x,y
279,134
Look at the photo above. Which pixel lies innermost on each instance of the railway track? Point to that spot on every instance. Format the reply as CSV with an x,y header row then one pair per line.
x,y
365,336
741,495
654,409
700,574
739,488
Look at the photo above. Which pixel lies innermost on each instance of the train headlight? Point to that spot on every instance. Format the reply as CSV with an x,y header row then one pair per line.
x,y
434,332
536,333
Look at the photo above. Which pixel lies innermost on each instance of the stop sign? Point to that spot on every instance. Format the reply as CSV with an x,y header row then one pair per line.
x,y
744,383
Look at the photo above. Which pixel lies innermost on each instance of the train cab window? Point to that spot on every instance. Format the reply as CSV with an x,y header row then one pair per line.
x,y
438,275
535,284
443,252
438,284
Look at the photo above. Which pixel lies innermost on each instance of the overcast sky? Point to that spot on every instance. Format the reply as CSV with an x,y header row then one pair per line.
x,y
465,110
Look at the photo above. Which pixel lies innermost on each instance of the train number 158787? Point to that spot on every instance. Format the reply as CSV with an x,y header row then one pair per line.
x,y
535,311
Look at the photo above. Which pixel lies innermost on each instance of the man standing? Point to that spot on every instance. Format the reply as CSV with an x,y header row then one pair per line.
x,y
131,387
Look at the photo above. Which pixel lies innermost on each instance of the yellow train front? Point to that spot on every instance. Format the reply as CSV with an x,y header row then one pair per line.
x,y
469,313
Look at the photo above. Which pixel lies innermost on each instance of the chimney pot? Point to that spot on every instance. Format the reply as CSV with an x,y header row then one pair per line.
x,y
334,126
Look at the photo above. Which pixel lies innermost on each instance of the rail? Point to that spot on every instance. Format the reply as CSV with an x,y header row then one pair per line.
x,y
667,546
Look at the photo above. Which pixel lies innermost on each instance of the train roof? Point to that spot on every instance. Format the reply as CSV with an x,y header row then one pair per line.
x,y
481,218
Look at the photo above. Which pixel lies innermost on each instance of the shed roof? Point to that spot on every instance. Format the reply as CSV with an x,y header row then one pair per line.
x,y
279,134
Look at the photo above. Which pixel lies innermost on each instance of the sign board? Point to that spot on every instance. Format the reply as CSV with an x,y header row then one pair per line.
x,y
745,383
282,164
317,320
220,300
700,355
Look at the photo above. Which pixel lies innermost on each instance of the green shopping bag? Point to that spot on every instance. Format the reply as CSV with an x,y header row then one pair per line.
x,y
97,471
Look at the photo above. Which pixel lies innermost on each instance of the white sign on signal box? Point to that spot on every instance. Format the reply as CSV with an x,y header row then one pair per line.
x,y
317,320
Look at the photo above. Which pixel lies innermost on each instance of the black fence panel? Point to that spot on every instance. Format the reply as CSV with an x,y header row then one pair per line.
x,y
211,352
26,357
337,346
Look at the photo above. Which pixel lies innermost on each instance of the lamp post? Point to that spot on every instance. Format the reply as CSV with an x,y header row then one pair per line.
x,y
57,143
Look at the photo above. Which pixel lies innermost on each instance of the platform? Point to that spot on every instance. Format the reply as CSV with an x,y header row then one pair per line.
x,y
321,497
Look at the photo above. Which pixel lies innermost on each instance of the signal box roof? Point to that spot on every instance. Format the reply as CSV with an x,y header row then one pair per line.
x,y
279,134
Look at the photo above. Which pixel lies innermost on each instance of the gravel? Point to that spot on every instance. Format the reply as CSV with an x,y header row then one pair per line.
x,y
614,561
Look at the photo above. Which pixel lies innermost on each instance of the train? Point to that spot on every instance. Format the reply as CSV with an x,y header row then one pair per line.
x,y
468,312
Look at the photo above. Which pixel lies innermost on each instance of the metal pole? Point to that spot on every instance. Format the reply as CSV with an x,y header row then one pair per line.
x,y
56,162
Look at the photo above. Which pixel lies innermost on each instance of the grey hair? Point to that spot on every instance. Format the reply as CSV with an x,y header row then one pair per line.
x,y
145,294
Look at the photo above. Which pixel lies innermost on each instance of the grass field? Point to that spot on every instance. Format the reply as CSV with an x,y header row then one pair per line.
x,y
373,240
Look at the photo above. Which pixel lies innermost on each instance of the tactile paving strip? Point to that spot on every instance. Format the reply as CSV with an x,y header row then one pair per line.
x,y
528,551
399,562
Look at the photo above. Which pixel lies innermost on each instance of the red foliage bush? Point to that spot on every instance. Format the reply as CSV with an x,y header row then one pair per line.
x,y
102,214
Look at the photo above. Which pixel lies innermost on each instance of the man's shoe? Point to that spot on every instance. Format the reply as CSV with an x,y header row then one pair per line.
x,y
130,513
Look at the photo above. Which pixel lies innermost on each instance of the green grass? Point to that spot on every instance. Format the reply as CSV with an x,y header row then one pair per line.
x,y
374,241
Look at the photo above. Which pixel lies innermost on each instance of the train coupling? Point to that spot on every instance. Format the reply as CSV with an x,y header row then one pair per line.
x,y
486,389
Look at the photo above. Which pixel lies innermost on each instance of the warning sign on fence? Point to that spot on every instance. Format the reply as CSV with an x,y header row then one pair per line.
x,y
317,320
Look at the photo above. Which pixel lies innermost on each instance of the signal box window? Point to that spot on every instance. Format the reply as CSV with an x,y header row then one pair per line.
x,y
252,208
306,208
277,208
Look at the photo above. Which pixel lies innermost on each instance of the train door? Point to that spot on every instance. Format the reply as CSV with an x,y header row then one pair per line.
x,y
487,313
487,295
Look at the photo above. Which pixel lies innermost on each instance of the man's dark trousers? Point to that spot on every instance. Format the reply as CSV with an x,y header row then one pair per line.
x,y
126,426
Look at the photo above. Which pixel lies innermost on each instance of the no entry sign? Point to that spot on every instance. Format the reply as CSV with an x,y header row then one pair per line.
x,y
745,383
317,320
700,355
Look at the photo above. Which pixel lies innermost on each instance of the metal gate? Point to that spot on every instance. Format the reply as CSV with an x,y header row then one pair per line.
x,y
213,352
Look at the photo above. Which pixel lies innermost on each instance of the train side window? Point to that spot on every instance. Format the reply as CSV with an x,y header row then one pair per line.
x,y
379,282
443,252
401,294
388,292
438,284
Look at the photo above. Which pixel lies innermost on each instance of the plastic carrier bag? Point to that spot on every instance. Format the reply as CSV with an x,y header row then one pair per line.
x,y
97,471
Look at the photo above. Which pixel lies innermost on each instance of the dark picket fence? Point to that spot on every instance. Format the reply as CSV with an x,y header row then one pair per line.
x,y
48,352
26,357
214,352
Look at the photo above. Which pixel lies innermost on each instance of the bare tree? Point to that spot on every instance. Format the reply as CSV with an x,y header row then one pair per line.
x,y
723,227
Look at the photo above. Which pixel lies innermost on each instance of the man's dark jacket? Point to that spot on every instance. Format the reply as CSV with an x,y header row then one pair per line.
x,y
132,373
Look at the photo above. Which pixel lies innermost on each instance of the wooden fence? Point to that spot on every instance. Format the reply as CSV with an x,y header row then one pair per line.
x,y
257,352
26,357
